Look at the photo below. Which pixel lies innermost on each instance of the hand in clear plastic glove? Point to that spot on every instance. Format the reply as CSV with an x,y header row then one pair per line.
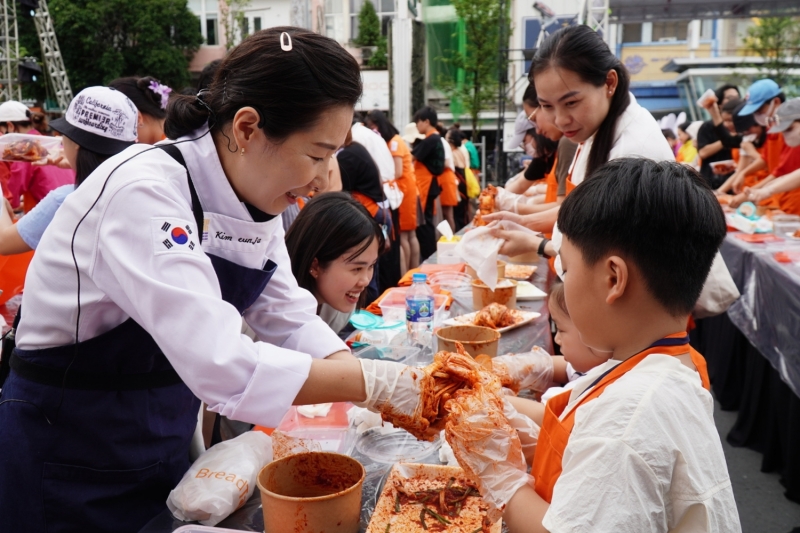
x,y
395,389
487,445
530,370
517,239
507,201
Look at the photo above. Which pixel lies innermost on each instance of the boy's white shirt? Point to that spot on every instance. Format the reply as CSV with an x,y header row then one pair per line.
x,y
644,456
572,380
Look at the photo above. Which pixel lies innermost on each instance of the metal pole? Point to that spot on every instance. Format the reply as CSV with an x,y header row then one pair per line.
x,y
498,145
483,162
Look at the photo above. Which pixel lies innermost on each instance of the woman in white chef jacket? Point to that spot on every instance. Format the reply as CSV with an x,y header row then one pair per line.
x,y
133,302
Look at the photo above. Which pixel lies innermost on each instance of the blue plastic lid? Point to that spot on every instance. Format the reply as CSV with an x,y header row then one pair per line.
x,y
419,277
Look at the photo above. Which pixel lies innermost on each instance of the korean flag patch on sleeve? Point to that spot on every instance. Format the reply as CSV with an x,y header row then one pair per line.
x,y
174,235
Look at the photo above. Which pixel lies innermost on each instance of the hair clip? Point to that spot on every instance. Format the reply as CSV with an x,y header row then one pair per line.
x,y
162,90
202,103
286,46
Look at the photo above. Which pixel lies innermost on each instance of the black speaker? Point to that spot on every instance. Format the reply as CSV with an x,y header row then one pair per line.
x,y
28,7
28,71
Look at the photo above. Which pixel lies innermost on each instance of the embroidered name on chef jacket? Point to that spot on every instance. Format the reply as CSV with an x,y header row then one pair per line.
x,y
174,235
243,242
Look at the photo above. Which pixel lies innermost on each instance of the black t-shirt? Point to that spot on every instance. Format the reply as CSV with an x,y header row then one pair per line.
x,y
709,134
359,172
430,152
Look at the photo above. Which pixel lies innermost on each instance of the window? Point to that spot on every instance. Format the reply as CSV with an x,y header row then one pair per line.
x,y
256,24
632,33
244,27
386,10
211,30
334,20
672,30
206,11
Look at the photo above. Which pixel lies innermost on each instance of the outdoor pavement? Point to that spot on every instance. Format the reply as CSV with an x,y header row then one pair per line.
x,y
762,506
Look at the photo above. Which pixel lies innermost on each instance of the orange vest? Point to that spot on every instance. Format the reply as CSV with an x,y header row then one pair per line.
x,y
555,433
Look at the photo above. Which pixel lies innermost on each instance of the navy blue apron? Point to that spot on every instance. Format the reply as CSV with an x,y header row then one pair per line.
x,y
99,447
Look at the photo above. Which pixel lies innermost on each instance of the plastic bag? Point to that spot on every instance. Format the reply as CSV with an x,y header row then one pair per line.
x,y
473,185
393,194
284,445
221,480
719,291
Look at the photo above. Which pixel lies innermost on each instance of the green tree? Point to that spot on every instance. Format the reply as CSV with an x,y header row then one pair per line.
x,y
369,26
104,39
478,59
777,40
233,18
379,59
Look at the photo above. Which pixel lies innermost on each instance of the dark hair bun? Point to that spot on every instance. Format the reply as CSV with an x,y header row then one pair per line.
x,y
138,90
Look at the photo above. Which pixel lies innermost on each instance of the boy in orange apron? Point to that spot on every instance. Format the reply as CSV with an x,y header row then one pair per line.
x,y
633,447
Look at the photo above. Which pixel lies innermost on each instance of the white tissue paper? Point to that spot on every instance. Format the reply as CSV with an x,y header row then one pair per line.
x,y
479,250
315,410
364,419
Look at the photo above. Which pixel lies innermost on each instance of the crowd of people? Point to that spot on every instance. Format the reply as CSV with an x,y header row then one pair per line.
x,y
219,265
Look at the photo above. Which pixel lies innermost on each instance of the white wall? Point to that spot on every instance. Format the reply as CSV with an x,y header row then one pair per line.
x,y
272,13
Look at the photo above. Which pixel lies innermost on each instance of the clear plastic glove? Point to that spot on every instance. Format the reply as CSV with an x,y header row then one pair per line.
x,y
530,370
507,201
517,239
487,446
395,388
527,430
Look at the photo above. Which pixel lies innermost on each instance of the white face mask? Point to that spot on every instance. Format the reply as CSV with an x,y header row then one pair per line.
x,y
750,138
792,136
762,119
530,149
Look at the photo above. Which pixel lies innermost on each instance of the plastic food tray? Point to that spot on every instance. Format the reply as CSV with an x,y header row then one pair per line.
x,y
400,354
388,444
203,529
393,305
407,521
331,431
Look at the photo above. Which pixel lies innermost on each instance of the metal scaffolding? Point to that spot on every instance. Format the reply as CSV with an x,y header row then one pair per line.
x,y
9,52
53,61
594,13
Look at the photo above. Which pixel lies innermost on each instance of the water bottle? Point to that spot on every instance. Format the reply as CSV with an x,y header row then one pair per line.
x,y
419,312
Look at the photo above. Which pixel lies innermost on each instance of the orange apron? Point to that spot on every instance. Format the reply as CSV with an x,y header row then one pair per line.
x,y
555,433
366,201
552,183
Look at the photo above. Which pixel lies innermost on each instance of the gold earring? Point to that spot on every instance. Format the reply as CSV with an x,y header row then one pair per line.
x,y
242,152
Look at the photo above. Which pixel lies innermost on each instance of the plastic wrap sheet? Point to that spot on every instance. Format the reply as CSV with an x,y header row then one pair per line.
x,y
768,312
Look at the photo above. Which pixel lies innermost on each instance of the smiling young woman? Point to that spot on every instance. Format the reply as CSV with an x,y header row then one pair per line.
x,y
334,244
583,89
